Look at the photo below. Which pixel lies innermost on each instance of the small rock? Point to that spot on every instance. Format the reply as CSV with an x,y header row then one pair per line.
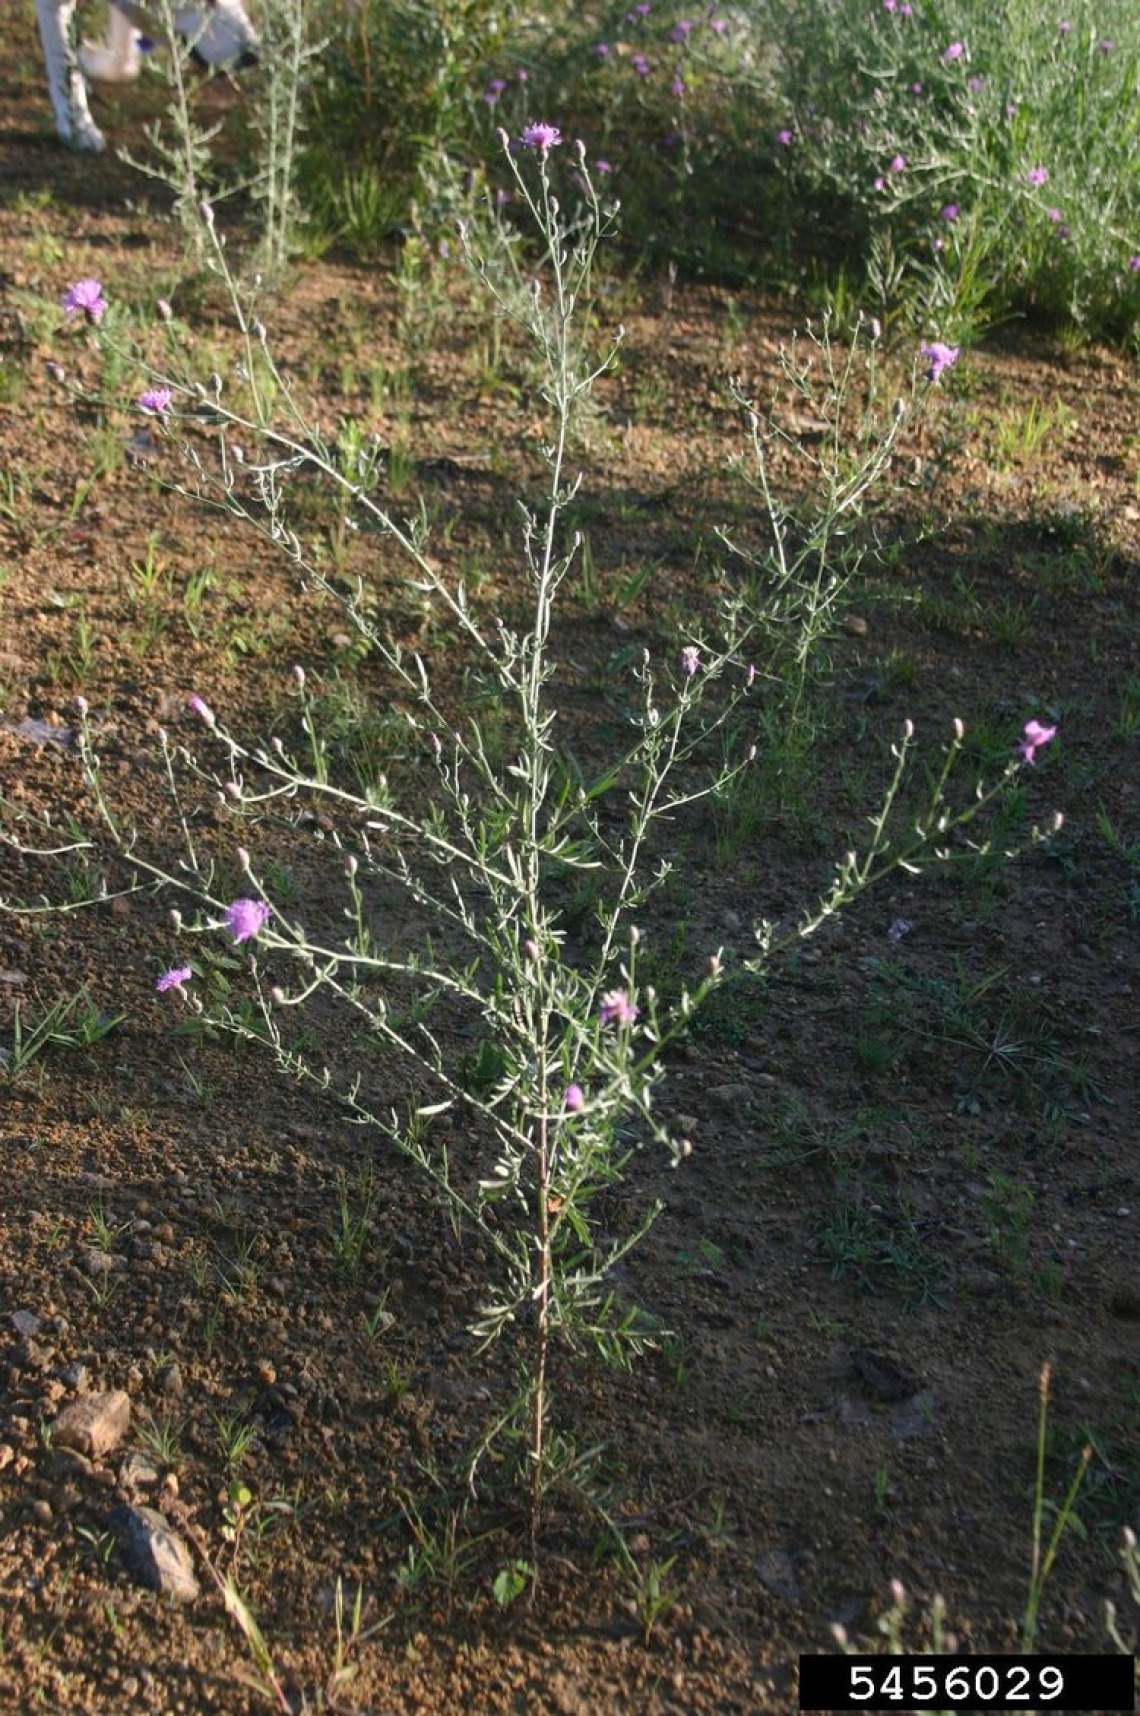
x,y
170,1380
266,1372
26,1323
69,1464
41,1512
7,1454
75,1376
153,1554
32,1356
138,1472
93,1424
855,625
883,1377
96,1264
731,1096
777,1573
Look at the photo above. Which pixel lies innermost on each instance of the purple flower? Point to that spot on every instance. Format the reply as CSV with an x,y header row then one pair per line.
x,y
939,358
949,213
718,26
157,402
1038,176
906,10
953,52
1107,47
617,1009
974,84
690,660
890,5
85,298
173,979
542,137
682,31
575,1099
678,87
1134,264
202,709
247,918
1054,215
916,89
1033,738
897,164
603,50
1065,29
785,138
602,167
644,9
640,65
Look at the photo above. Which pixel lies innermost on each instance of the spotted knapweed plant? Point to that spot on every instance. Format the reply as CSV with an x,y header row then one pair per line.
x,y
975,158
564,1080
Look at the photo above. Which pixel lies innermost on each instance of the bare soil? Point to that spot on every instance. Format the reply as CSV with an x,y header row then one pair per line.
x,y
914,1177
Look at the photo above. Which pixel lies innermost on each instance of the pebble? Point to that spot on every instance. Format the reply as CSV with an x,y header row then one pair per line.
x,y
94,1423
26,1323
170,1380
41,1511
7,1454
153,1554
74,1376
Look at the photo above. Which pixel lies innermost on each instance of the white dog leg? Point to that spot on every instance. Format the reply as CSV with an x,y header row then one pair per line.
x,y
73,119
119,60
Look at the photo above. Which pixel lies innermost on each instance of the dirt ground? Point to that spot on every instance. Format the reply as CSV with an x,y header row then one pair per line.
x,y
914,1177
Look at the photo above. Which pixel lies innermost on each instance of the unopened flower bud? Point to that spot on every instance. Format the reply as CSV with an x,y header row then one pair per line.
x,y
82,705
299,676
908,729
258,329
237,455
203,711
175,920
207,213
530,948
435,745
350,865
277,995
57,372
215,385
233,790
714,964
959,728
164,310
898,1593
278,744
243,857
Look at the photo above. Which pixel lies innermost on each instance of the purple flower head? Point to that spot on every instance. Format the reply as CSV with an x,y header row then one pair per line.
x,y
682,31
916,89
157,402
575,1099
690,660
1038,176
202,709
1107,47
953,52
906,10
677,87
974,84
1065,29
644,9
949,213
247,918
640,65
1134,264
785,138
497,85
897,164
1054,215
85,298
603,50
617,1009
718,26
542,137
602,167
939,358
522,75
890,5
1033,738
173,979
1063,229
880,183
